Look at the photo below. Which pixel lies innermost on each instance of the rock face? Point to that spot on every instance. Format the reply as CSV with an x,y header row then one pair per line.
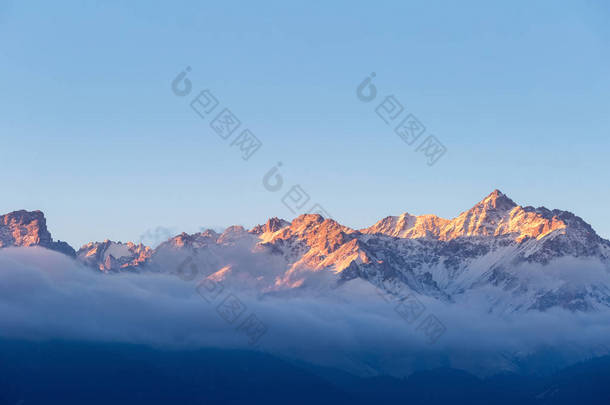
x,y
29,228
272,225
113,256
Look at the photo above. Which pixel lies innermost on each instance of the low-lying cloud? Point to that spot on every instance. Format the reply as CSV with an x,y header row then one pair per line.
x,y
45,295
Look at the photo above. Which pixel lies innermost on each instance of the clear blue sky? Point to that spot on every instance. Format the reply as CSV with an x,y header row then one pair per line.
x,y
92,134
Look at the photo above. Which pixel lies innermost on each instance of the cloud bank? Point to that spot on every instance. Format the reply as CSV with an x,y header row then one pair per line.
x,y
45,295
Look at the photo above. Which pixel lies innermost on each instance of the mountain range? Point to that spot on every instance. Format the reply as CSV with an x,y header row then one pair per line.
x,y
515,258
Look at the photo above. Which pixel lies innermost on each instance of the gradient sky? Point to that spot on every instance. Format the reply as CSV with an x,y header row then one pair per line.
x,y
92,134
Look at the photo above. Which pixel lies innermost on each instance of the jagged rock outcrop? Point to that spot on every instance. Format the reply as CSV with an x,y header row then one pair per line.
x,y
29,228
272,225
113,256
